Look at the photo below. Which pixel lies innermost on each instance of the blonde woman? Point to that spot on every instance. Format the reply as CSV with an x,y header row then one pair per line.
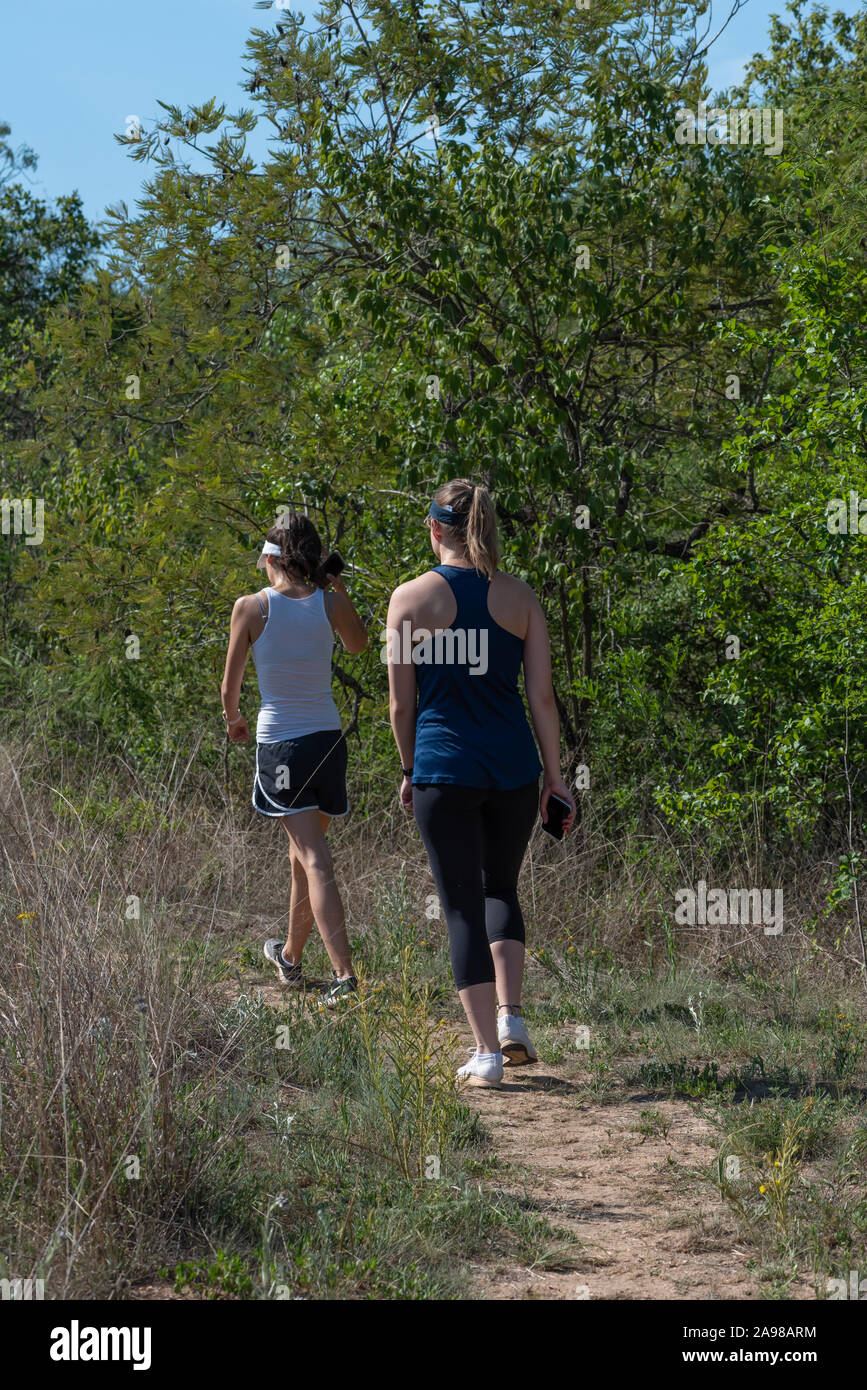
x,y
469,760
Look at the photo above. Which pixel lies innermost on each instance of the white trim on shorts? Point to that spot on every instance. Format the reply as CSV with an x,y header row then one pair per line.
x,y
333,815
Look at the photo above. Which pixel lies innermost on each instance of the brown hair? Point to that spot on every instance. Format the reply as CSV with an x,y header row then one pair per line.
x,y
301,548
478,537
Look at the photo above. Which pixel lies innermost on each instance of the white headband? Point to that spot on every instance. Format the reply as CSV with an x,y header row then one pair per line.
x,y
269,548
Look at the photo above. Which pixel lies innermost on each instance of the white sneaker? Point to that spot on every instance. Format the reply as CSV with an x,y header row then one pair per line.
x,y
517,1049
483,1069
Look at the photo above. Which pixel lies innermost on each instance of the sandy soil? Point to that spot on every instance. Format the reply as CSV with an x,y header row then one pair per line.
x,y
647,1226
644,1223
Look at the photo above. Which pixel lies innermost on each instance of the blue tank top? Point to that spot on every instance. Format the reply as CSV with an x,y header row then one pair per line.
x,y
471,726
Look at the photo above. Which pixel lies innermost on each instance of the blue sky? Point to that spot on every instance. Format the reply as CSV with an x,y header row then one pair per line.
x,y
71,74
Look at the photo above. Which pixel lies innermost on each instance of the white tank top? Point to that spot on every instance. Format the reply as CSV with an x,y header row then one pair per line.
x,y
293,663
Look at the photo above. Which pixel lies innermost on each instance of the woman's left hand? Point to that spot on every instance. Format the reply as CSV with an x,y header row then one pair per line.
x,y
405,792
239,733
557,787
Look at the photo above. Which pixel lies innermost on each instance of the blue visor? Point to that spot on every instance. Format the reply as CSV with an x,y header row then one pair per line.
x,y
447,515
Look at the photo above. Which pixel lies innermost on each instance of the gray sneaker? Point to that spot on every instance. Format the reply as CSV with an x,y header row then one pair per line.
x,y
291,976
338,992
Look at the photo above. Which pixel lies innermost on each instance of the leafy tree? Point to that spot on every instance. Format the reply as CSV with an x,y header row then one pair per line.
x,y
790,587
45,255
534,304
543,289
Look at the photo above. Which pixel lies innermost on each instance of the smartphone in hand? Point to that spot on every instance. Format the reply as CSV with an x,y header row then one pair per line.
x,y
335,564
558,811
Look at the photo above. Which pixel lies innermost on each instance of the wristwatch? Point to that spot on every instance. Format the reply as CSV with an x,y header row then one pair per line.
x,y
407,771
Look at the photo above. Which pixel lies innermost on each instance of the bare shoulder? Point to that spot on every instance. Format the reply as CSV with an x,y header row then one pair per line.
x,y
513,588
421,585
246,611
244,605
405,596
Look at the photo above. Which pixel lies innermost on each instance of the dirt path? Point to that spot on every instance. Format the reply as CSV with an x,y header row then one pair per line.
x,y
647,1225
649,1228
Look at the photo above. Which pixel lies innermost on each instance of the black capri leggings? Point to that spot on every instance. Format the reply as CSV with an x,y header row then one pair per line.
x,y
475,840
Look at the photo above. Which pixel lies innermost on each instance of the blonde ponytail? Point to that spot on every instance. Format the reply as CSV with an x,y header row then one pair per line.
x,y
479,537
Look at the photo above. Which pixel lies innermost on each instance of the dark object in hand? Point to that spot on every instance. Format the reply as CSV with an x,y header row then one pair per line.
x,y
558,810
334,564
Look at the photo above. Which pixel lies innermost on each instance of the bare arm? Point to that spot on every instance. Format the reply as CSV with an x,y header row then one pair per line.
x,y
344,619
402,688
236,660
543,710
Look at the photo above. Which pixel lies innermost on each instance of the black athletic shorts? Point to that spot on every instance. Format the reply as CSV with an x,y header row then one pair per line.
x,y
302,774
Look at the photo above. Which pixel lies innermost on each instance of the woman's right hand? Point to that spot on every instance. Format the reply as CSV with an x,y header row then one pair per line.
x,y
555,786
405,792
239,733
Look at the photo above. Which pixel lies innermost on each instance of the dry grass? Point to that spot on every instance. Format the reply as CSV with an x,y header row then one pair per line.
x,y
143,1107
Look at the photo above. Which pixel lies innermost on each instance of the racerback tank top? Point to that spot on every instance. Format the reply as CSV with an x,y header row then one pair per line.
x,y
471,725
293,665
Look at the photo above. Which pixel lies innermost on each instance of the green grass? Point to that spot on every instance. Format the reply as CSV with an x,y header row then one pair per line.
x,y
178,1126
288,1152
